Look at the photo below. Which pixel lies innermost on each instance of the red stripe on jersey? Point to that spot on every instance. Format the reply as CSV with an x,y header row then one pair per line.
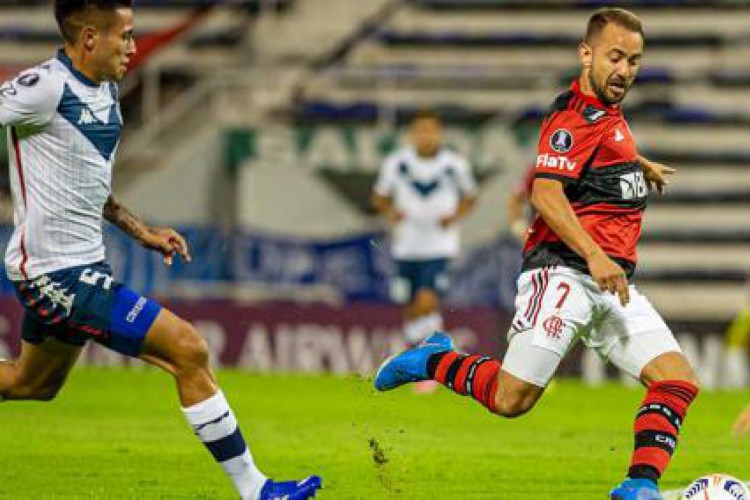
x,y
616,229
573,102
19,169
579,105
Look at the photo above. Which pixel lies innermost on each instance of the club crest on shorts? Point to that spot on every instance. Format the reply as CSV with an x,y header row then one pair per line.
x,y
561,140
553,326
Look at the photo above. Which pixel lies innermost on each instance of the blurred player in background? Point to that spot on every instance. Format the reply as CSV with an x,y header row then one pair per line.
x,y
737,348
423,190
518,210
742,424
735,366
590,191
64,122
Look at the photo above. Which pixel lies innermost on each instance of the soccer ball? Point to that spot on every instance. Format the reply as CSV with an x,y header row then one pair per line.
x,y
716,487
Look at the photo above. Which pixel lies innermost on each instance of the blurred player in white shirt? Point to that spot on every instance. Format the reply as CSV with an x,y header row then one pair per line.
x,y
423,190
63,120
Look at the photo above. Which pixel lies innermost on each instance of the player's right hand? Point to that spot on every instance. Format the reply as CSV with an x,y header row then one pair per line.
x,y
609,276
742,425
167,242
394,217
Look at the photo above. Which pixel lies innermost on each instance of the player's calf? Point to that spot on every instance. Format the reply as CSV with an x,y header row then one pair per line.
x,y
26,392
15,385
514,396
483,379
39,373
176,346
672,388
477,376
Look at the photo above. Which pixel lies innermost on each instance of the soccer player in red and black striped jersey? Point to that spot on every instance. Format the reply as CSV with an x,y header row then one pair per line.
x,y
590,190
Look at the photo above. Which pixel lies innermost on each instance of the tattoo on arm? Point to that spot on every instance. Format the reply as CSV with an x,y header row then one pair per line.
x,y
127,221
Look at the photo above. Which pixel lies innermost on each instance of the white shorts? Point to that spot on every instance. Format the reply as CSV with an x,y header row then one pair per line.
x,y
556,306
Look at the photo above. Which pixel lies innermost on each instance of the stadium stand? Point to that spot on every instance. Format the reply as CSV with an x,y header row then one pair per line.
x,y
490,67
503,60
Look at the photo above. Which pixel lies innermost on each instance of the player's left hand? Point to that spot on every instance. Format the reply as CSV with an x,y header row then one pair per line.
x,y
742,425
167,242
655,174
449,220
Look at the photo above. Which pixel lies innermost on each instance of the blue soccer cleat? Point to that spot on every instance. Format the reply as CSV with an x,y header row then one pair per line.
x,y
636,489
411,364
291,490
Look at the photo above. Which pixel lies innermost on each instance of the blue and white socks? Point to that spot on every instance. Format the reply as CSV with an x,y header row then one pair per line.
x,y
418,329
213,422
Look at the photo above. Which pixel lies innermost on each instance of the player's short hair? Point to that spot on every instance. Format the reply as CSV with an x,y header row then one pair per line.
x,y
425,114
606,15
70,14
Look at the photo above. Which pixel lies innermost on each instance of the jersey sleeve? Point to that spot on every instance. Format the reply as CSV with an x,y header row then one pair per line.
x,y
30,99
465,178
566,145
386,181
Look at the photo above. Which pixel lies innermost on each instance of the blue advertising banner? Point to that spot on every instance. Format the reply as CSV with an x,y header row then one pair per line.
x,y
351,268
355,267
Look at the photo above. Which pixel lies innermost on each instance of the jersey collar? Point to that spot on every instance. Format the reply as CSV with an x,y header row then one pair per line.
x,y
63,58
612,109
412,151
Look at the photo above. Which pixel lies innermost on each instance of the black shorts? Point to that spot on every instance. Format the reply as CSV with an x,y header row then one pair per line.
x,y
414,275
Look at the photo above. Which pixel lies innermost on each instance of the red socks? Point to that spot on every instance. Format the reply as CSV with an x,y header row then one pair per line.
x,y
657,425
473,375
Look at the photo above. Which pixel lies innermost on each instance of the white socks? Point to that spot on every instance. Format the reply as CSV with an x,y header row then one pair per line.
x,y
213,422
420,328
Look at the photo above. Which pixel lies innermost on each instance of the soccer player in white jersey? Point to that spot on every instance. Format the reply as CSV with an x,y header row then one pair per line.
x,y
64,123
423,189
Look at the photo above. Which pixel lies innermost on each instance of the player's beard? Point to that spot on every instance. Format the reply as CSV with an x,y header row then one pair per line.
x,y
601,94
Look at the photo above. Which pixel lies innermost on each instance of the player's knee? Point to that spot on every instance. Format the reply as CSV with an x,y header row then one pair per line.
x,y
669,366
425,302
693,380
192,353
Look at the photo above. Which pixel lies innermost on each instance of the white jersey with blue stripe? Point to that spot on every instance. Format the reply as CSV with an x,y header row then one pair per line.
x,y
425,190
63,131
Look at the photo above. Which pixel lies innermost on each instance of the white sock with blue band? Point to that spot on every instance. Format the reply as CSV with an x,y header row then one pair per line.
x,y
215,425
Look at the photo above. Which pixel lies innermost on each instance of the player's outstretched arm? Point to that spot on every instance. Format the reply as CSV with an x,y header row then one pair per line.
x,y
164,240
385,206
464,207
514,215
548,197
742,424
655,173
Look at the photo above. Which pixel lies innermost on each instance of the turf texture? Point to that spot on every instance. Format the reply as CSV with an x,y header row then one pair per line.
x,y
118,433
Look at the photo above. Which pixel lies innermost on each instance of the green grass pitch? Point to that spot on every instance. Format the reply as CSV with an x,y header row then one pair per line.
x,y
116,434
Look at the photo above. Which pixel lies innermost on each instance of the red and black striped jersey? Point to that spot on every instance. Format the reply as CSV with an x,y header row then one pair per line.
x,y
589,147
